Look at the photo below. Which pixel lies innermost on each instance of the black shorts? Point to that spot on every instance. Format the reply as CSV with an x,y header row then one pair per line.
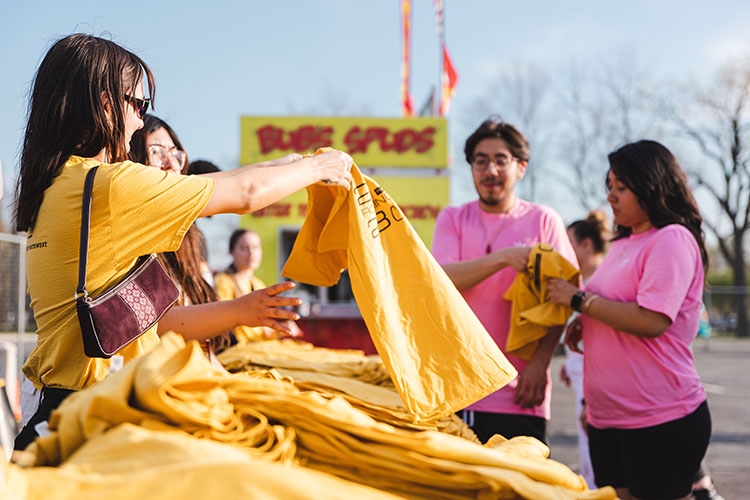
x,y
485,425
652,462
51,399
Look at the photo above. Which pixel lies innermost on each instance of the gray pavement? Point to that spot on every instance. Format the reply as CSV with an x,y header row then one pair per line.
x,y
724,365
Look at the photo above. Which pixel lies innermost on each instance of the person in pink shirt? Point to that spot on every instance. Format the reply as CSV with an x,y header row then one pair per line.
x,y
648,420
482,245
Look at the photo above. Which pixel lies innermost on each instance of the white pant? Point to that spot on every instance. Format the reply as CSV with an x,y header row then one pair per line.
x,y
30,399
574,369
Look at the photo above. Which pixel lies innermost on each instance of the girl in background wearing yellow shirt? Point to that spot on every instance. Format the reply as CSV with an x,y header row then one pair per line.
x,y
239,279
87,100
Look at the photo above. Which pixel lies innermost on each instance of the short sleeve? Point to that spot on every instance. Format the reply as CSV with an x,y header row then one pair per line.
x,y
667,271
446,241
151,210
556,236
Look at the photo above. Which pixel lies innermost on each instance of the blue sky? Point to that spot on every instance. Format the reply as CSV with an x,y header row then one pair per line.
x,y
216,61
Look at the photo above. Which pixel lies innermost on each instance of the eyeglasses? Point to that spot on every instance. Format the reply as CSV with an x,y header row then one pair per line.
x,y
159,155
141,105
480,163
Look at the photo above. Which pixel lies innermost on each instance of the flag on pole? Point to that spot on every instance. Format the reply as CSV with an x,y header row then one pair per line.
x,y
448,74
406,101
448,81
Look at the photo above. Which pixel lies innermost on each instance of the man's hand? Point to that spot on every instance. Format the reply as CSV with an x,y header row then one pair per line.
x,y
515,257
532,382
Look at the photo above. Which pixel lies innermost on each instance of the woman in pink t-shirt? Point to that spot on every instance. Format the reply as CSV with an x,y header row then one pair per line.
x,y
649,423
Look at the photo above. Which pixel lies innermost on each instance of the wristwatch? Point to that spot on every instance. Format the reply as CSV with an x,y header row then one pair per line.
x,y
577,300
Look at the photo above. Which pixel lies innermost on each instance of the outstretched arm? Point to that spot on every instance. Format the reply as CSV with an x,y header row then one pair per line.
x,y
256,186
259,308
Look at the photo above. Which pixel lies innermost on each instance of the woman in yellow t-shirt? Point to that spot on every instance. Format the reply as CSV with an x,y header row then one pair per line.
x,y
240,279
87,100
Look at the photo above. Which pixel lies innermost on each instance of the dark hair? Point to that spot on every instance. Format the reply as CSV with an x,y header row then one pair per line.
x,y
654,175
495,128
184,265
594,227
236,235
202,167
138,146
233,239
79,76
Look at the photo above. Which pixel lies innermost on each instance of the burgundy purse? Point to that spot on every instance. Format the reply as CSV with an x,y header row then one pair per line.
x,y
125,311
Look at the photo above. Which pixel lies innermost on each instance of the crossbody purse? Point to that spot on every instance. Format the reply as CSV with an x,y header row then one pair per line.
x,y
126,310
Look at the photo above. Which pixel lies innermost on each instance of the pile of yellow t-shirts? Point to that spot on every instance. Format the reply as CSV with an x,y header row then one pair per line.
x,y
439,355
174,387
130,462
297,355
380,402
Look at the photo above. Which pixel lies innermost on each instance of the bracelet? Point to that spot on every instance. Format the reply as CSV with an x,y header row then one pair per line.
x,y
587,303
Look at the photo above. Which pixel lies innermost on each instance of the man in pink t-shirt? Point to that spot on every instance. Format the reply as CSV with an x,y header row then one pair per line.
x,y
482,245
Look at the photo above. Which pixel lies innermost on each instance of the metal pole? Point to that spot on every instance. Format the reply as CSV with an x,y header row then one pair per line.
x,y
21,305
441,37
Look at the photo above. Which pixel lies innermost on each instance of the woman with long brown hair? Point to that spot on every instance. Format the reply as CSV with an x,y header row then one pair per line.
x,y
648,419
87,100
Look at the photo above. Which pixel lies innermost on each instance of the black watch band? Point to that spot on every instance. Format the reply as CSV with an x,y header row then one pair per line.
x,y
576,302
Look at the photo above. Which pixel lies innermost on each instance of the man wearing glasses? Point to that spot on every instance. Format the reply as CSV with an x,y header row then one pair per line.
x,y
482,245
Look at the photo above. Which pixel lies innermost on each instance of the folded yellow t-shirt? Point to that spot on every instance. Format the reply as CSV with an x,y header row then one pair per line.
x,y
531,314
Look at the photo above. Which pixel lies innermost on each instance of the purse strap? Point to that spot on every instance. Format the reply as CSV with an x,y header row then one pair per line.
x,y
83,249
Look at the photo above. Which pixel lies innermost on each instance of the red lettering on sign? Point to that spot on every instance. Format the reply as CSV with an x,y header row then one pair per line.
x,y
421,211
301,139
358,140
301,209
277,210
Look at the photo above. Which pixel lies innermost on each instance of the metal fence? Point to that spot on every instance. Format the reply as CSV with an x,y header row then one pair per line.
x,y
15,317
721,303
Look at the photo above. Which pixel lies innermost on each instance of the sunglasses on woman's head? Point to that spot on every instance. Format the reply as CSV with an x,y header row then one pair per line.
x,y
141,105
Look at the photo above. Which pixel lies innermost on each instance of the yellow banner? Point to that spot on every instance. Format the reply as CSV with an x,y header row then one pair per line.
x,y
372,142
420,199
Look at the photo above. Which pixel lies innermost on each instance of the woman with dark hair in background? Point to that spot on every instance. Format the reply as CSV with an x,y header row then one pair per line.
x,y
648,419
240,279
590,239
87,100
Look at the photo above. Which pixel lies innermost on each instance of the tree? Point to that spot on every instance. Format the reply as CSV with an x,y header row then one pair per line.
x,y
714,119
600,108
518,96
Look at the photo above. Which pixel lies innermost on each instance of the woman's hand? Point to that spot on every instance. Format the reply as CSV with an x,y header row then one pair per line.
x,y
560,292
293,329
264,308
574,334
333,168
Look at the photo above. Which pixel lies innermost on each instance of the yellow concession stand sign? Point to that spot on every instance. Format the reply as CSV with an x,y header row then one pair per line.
x,y
372,142
407,157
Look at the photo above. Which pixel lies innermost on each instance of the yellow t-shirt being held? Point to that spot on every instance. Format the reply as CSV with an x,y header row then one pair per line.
x,y
228,287
135,210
